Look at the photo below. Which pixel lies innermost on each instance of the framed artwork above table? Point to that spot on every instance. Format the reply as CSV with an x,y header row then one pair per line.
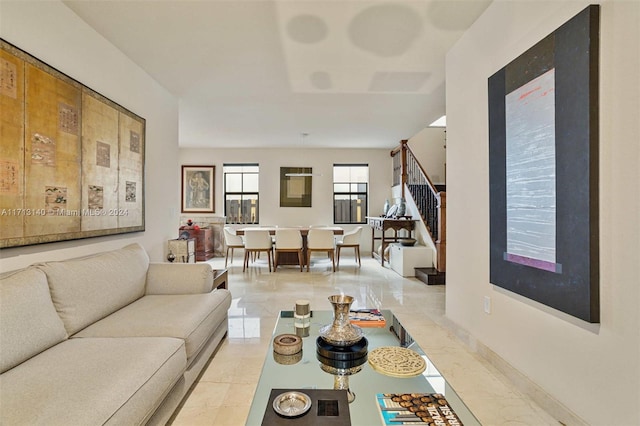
x,y
198,183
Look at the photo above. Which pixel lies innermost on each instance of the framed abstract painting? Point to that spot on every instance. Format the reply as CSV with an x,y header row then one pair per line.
x,y
295,186
543,170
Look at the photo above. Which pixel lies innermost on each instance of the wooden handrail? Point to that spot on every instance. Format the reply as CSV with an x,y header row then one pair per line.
x,y
424,173
431,203
397,149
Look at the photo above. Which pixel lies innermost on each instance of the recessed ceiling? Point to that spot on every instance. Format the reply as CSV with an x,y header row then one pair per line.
x,y
351,74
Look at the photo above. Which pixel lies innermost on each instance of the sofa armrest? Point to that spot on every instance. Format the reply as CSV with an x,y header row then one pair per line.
x,y
179,278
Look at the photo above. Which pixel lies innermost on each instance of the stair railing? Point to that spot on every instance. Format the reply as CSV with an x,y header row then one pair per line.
x,y
431,203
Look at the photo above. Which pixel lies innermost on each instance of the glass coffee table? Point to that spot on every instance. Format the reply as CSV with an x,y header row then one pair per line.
x,y
305,371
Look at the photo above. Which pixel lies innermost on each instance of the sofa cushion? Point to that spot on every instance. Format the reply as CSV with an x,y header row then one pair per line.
x,y
29,323
94,382
179,278
87,289
192,317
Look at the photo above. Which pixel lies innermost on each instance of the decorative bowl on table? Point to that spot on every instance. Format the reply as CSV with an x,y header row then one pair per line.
x,y
407,242
287,344
292,404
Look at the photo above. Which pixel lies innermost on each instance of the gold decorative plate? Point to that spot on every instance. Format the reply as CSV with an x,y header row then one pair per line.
x,y
292,404
395,361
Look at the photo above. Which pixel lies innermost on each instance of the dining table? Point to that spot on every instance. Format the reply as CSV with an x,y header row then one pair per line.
x,y
291,258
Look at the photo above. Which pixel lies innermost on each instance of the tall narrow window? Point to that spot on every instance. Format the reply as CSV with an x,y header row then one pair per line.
x,y
241,193
350,183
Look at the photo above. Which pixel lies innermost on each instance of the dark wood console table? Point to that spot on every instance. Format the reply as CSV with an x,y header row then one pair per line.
x,y
381,225
204,241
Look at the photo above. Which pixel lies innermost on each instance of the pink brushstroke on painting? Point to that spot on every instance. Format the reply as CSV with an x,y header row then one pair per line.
x,y
534,263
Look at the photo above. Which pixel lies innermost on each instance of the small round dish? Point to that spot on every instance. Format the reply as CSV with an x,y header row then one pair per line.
x,y
287,344
292,404
407,242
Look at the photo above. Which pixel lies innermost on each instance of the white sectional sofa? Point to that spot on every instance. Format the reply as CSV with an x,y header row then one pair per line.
x,y
106,339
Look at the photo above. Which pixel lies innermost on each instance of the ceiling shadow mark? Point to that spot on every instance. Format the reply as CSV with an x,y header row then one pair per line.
x,y
385,30
307,29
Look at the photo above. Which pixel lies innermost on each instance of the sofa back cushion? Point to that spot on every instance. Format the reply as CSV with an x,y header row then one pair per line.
x,y
87,289
29,323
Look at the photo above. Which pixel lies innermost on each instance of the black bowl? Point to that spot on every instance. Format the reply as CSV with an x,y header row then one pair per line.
x,y
408,242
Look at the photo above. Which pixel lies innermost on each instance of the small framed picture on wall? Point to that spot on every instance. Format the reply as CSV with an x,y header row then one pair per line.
x,y
198,183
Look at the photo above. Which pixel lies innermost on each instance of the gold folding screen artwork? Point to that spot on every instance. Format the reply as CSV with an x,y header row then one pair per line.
x,y
71,160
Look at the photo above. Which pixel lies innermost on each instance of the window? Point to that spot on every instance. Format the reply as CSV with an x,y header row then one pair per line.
x,y
241,193
350,193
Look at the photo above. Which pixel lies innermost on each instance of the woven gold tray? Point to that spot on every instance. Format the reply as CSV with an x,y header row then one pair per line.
x,y
395,361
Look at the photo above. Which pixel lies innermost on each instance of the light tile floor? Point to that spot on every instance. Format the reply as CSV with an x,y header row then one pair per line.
x,y
224,393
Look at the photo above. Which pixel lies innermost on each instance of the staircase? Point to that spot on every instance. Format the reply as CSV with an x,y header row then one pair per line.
x,y
431,204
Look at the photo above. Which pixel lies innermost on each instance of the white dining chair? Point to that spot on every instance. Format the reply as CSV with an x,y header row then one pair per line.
x,y
321,239
255,242
232,241
350,239
288,240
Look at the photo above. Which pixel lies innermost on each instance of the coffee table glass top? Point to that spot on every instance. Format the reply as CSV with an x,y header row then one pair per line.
x,y
303,371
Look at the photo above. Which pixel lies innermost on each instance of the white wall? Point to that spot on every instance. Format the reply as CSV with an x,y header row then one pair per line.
x,y
593,370
52,33
428,145
321,160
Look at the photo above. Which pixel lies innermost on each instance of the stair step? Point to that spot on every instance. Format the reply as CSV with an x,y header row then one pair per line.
x,y
430,276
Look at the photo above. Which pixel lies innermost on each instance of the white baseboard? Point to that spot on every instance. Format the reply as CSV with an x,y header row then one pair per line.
x,y
525,385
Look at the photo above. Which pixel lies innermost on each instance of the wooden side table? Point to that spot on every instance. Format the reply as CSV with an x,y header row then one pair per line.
x,y
382,224
183,250
204,241
220,278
